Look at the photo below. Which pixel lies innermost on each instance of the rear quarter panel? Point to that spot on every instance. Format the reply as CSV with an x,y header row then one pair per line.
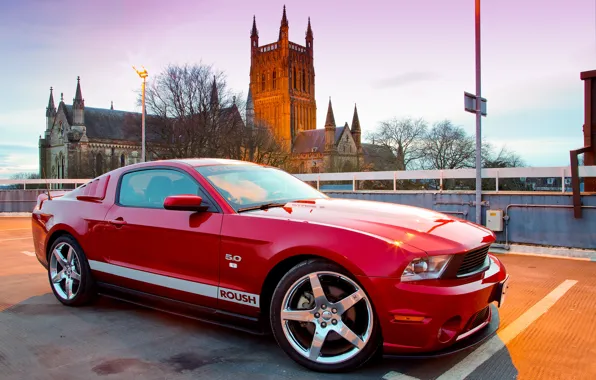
x,y
69,215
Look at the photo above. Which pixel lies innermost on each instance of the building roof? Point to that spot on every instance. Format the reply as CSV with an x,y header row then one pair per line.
x,y
314,138
109,124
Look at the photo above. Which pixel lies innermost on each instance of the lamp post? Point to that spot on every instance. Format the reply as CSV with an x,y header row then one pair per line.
x,y
478,121
143,74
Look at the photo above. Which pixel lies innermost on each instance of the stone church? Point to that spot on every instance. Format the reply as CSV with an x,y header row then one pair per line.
x,y
282,97
84,142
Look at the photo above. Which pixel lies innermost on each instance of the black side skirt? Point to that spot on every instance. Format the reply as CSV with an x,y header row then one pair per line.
x,y
214,316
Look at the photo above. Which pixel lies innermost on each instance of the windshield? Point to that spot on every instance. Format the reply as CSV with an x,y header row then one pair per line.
x,y
251,185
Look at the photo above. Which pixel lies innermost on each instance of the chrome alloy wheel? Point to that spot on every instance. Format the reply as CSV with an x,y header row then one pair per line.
x,y
65,271
327,328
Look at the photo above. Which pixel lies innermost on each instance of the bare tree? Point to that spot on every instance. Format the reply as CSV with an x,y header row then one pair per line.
x,y
447,146
505,158
260,145
187,117
404,137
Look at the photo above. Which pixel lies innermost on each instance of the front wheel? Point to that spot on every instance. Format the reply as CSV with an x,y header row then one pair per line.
x,y
323,319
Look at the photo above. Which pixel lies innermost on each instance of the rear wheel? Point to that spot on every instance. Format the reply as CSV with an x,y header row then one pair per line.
x,y
323,319
69,274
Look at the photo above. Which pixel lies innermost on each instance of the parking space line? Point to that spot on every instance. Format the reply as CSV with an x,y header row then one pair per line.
x,y
398,376
15,229
32,254
487,350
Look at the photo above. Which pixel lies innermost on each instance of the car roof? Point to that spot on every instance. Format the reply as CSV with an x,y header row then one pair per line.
x,y
211,161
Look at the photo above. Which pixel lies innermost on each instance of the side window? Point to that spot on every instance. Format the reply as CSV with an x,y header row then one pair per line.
x,y
149,188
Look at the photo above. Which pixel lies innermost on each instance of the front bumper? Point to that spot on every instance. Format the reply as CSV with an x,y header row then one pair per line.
x,y
443,313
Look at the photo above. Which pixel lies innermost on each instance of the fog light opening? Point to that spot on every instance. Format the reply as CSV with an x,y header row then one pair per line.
x,y
449,330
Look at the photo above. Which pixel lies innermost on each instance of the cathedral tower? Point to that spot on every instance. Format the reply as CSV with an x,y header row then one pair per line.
x,y
282,83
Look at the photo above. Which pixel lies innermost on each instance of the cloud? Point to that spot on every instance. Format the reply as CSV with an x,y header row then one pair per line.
x,y
406,79
17,158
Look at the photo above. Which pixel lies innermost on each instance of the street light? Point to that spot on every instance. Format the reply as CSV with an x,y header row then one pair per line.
x,y
478,121
143,74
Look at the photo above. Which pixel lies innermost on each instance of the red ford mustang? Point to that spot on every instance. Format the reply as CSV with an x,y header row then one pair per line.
x,y
336,281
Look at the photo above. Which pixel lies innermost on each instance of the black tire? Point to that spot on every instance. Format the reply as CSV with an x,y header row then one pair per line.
x,y
86,289
372,347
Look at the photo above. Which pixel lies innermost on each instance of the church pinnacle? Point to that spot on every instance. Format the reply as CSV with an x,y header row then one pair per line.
x,y
330,120
51,110
254,32
355,121
78,101
284,18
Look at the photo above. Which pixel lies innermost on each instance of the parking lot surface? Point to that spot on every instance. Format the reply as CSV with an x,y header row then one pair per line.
x,y
547,331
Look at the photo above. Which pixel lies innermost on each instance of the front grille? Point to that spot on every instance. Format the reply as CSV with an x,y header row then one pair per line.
x,y
473,261
478,319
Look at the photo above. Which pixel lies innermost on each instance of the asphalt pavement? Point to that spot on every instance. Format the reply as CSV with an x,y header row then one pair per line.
x,y
547,331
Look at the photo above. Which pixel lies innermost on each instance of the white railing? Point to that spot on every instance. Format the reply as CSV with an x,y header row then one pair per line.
x,y
48,182
530,172
496,173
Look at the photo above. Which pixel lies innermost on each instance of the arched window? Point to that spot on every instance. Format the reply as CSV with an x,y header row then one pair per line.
x,y
262,82
98,164
303,82
274,80
122,160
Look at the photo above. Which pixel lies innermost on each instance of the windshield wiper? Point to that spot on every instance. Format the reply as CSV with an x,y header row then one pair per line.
x,y
262,207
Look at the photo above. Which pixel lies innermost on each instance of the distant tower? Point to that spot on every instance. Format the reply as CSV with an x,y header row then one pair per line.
x,y
78,131
282,83
356,130
214,99
50,110
78,106
329,130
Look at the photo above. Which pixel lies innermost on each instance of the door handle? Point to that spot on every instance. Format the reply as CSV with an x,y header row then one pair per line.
x,y
118,222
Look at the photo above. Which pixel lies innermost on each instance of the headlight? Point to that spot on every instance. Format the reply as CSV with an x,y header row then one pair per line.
x,y
426,268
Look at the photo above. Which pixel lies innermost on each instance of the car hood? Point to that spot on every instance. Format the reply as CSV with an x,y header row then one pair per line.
x,y
421,228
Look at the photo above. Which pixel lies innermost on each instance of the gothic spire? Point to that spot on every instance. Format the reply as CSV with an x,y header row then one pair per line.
x,y
51,110
214,95
254,32
309,30
330,121
284,18
355,121
78,101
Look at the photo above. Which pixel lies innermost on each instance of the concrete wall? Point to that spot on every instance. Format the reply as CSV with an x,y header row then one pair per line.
x,y
543,226
536,225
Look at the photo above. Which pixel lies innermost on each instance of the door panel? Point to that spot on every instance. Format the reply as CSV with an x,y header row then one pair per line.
x,y
170,253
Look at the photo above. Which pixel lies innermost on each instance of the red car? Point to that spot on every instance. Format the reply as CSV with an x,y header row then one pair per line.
x,y
336,281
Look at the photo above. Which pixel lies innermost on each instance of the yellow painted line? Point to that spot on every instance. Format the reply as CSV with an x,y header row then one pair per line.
x,y
465,367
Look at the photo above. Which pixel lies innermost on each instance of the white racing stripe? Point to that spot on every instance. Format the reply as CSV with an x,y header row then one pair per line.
x,y
465,367
198,288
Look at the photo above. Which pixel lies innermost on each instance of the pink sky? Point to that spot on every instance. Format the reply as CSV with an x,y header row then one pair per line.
x,y
398,58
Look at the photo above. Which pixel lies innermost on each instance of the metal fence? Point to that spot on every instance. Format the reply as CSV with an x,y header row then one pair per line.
x,y
560,172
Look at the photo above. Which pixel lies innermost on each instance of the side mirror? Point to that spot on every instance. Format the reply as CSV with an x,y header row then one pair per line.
x,y
184,202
